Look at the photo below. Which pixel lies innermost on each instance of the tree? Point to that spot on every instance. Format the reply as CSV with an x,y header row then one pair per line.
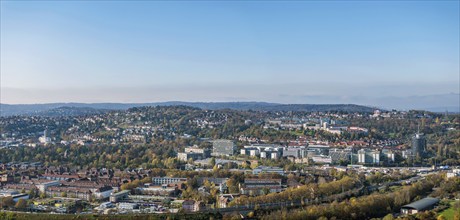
x,y
32,193
207,184
457,216
42,195
21,204
266,190
212,162
388,217
232,185
8,201
245,165
215,169
441,217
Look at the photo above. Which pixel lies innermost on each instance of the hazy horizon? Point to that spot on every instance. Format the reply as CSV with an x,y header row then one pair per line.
x,y
386,54
438,103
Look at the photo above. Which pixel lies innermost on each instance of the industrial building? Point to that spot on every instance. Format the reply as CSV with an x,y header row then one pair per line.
x,y
420,205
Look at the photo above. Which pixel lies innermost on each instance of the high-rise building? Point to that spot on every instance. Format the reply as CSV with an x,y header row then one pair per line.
x,y
362,156
368,156
375,157
44,139
296,152
418,145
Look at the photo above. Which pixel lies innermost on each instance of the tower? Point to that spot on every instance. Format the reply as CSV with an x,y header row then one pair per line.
x,y
44,139
418,145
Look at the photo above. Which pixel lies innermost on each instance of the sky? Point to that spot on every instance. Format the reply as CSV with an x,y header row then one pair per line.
x,y
364,52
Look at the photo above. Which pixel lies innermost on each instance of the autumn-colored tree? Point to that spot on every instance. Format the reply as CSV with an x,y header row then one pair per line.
x,y
441,217
7,201
21,204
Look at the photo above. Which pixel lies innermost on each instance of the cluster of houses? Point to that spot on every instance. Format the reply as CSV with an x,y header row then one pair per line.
x,y
86,185
59,183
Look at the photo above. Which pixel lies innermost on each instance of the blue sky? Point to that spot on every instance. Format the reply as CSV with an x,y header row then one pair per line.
x,y
290,52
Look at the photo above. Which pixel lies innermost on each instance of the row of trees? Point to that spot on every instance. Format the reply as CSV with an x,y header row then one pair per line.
x,y
365,207
135,183
309,191
8,202
161,155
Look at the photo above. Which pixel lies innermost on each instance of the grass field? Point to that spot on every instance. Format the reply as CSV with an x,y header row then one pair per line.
x,y
450,212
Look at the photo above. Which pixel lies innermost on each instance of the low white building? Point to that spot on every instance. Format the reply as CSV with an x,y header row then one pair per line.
x,y
115,197
43,186
265,169
322,159
6,193
103,192
167,180
127,206
453,173
106,205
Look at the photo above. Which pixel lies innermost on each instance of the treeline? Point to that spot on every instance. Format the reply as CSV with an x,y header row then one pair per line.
x,y
310,191
161,155
448,189
365,207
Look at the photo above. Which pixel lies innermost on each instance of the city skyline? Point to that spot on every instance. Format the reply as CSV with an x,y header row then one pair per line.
x,y
372,53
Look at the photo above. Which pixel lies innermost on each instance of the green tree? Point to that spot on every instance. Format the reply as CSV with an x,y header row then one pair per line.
x,y
388,217
212,162
42,195
266,191
441,217
32,193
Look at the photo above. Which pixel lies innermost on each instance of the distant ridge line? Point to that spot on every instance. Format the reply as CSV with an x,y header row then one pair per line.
x,y
88,108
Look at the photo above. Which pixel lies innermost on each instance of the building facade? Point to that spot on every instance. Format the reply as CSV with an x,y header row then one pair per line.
x,y
167,180
256,187
418,145
368,156
265,169
223,148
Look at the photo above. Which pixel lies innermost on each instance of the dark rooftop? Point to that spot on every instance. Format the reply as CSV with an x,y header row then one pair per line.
x,y
422,204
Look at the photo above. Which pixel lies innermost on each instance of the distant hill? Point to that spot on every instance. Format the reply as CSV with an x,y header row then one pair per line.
x,y
320,108
42,109
63,109
71,111
264,106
